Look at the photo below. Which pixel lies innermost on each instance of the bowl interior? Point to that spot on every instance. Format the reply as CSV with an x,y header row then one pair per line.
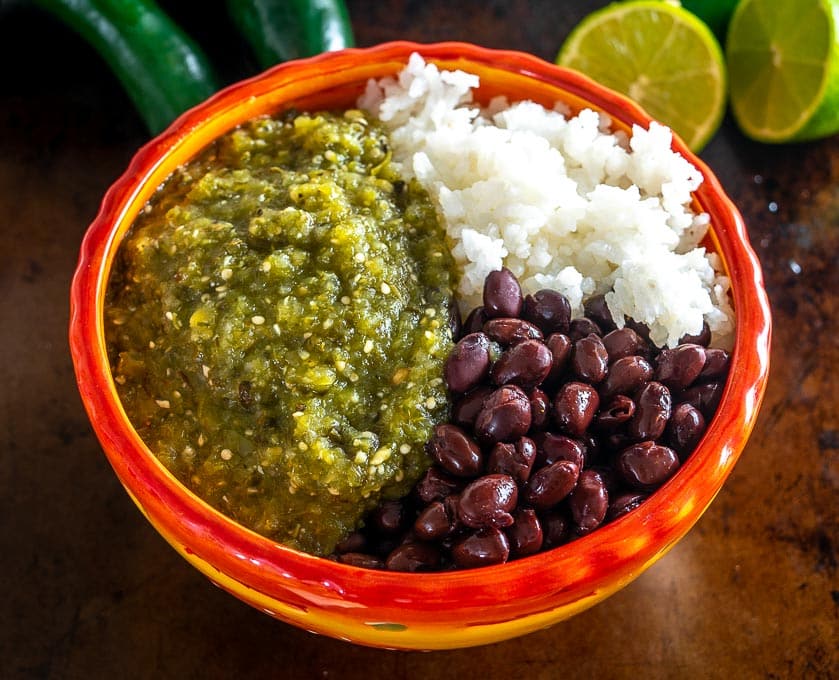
x,y
397,609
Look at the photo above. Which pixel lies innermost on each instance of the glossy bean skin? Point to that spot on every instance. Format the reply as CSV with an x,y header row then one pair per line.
x,y
574,407
505,416
540,407
438,520
618,411
716,364
481,549
597,310
551,484
556,528
624,504
474,322
356,542
588,502
507,332
389,517
552,448
455,322
487,502
626,375
706,397
677,368
625,342
525,364
525,534
549,310
363,560
468,364
502,295
435,485
561,347
685,429
647,465
590,361
413,557
515,460
455,451
465,409
702,338
652,411
581,327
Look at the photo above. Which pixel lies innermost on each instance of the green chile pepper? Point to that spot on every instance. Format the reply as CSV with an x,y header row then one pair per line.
x,y
162,69
280,30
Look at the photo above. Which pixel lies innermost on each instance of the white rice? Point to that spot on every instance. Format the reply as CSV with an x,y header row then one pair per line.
x,y
558,200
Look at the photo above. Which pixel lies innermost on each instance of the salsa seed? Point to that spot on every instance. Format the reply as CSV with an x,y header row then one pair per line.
x,y
227,273
368,346
303,354
405,448
345,300
327,324
297,414
162,403
276,328
307,335
385,288
257,320
226,454
430,403
303,446
360,458
340,364
380,456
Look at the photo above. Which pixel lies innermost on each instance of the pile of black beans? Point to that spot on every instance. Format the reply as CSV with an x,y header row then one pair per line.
x,y
558,426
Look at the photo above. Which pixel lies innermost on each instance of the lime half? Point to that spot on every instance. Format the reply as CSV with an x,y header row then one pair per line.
x,y
661,56
783,61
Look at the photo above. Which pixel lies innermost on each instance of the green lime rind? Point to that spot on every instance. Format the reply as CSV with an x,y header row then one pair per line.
x,y
783,62
658,54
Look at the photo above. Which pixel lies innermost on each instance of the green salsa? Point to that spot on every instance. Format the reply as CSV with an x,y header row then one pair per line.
x,y
277,321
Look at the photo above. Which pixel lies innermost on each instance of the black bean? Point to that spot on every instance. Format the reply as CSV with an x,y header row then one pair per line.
x,y
561,348
706,397
525,534
481,549
574,407
389,516
702,338
515,460
556,528
551,484
474,322
468,363
525,364
549,310
621,505
647,465
487,502
413,557
455,322
685,429
357,559
540,407
652,411
502,294
625,342
435,485
552,448
625,376
597,310
505,416
716,364
508,332
581,327
455,451
588,502
467,407
437,520
618,411
589,361
677,368
354,542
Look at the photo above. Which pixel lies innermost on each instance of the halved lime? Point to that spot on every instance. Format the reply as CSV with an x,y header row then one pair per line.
x,y
783,61
658,54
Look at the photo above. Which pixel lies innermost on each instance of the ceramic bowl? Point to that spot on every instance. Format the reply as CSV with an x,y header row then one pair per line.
x,y
403,610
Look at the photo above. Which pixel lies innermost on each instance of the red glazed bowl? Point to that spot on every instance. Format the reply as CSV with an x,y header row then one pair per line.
x,y
402,610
